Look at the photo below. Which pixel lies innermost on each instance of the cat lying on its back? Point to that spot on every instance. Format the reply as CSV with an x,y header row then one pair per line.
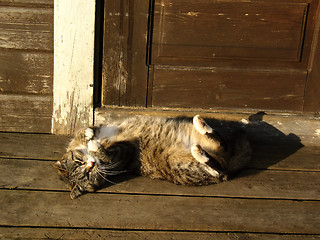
x,y
178,151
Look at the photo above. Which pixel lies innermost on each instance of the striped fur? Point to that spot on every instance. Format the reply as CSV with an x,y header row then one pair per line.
x,y
178,151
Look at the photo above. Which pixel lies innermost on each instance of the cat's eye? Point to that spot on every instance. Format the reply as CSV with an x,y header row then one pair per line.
x,y
79,161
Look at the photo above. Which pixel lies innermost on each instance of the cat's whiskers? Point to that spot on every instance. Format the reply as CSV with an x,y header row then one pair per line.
x,y
112,172
106,178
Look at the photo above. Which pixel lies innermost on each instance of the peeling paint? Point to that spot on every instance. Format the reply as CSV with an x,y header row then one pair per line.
x,y
193,14
73,65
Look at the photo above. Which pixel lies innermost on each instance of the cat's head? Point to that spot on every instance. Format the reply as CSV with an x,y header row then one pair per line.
x,y
80,171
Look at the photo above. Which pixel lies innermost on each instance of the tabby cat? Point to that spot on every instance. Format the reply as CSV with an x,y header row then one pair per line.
x,y
182,152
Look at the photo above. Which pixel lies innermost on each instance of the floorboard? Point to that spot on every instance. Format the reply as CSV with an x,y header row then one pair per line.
x,y
276,197
145,212
274,184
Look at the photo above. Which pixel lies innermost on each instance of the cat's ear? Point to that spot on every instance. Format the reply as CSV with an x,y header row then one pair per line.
x,y
76,191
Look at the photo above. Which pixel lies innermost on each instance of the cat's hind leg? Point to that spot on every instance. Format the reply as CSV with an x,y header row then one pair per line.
x,y
201,126
201,156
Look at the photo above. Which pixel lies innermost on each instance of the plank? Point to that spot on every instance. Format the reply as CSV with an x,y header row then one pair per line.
x,y
34,146
26,72
74,23
25,113
259,30
284,157
14,2
124,70
265,156
40,175
26,28
158,212
312,102
213,88
52,233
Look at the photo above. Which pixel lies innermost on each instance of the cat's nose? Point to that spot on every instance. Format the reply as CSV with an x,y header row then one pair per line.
x,y
90,164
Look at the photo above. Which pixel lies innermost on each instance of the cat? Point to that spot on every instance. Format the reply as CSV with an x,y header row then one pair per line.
x,y
180,151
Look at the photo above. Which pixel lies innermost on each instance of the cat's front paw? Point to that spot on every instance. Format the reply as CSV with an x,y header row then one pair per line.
x,y
89,134
93,146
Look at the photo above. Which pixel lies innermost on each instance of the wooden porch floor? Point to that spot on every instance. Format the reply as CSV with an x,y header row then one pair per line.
x,y
277,197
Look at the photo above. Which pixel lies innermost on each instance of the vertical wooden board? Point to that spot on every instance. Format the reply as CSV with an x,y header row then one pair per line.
x,y
210,88
138,55
124,75
312,99
112,68
73,65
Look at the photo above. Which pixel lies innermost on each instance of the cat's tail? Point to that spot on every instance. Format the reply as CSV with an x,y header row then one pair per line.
x,y
240,155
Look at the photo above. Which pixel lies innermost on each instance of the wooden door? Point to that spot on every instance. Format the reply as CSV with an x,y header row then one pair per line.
x,y
212,54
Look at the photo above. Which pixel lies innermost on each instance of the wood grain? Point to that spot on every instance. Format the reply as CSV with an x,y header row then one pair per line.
x,y
256,204
124,70
26,65
26,72
52,233
210,88
40,146
159,212
256,30
29,3
267,184
312,102
26,28
25,113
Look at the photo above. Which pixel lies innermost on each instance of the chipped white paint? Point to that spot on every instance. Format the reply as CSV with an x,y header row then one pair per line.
x,y
73,65
317,132
193,14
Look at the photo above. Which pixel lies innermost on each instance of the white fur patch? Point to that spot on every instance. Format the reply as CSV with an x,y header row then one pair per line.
x,y
89,133
107,132
93,145
82,148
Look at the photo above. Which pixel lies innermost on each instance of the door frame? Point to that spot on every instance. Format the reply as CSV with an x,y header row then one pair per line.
x,y
73,81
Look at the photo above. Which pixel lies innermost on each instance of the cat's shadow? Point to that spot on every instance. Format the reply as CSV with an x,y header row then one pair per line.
x,y
269,145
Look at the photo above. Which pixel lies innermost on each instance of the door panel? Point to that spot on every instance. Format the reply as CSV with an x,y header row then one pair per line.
x,y
230,54
208,30
206,88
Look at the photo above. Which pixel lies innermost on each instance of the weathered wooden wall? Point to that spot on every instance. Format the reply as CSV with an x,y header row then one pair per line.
x,y
26,65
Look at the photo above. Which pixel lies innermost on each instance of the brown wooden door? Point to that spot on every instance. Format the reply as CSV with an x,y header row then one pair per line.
x,y
211,54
